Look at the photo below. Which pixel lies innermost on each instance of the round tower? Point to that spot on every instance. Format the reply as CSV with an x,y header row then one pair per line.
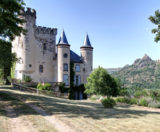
x,y
87,55
63,60
27,40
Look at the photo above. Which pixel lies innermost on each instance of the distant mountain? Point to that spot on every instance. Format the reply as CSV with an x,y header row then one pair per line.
x,y
143,73
112,70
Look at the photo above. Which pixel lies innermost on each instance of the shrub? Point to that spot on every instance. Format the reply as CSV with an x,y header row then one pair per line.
x,y
127,100
140,93
123,92
45,86
108,102
133,101
27,79
154,104
143,102
62,87
155,94
123,100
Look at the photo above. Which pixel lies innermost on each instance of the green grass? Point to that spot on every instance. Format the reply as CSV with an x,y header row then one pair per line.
x,y
23,112
92,116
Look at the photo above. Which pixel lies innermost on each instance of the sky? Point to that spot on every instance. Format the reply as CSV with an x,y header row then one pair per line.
x,y
119,30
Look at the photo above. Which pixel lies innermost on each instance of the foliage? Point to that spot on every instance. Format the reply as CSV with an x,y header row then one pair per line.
x,y
27,79
10,27
44,86
72,74
140,93
123,100
156,20
62,87
123,92
101,83
154,104
108,102
143,102
143,73
13,69
155,94
126,100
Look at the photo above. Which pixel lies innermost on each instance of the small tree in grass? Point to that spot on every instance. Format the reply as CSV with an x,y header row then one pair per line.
x,y
101,83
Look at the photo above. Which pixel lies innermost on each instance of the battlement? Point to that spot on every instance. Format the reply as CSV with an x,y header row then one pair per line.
x,y
45,30
29,11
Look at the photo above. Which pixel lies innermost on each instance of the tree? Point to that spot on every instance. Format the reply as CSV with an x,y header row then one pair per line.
x,y
156,20
10,26
101,83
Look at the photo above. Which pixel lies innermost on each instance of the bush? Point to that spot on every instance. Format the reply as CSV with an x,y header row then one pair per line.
x,y
154,104
45,86
123,92
155,94
133,101
62,87
127,100
27,79
123,100
108,102
140,93
143,102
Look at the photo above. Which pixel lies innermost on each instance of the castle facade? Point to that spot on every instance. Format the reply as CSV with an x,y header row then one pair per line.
x,y
40,58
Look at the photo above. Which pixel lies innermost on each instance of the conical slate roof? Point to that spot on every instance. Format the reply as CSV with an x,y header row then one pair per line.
x,y
87,42
63,39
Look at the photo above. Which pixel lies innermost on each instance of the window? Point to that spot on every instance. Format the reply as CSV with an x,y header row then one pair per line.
x,y
77,68
41,68
44,46
65,55
30,65
77,80
65,79
65,67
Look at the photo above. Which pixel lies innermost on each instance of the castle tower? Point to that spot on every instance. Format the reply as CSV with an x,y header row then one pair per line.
x,y
63,60
87,55
27,41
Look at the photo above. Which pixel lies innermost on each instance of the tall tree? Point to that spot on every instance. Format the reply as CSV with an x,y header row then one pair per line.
x,y
10,26
156,20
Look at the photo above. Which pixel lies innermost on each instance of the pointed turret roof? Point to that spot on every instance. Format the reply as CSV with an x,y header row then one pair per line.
x,y
63,39
87,42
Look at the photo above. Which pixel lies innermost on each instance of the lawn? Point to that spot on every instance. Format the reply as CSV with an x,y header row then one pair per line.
x,y
16,116
85,115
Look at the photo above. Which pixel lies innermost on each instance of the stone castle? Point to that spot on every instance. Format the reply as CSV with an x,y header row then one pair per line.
x,y
40,58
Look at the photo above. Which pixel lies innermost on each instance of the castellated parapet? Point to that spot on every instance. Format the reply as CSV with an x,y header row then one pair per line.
x,y
28,11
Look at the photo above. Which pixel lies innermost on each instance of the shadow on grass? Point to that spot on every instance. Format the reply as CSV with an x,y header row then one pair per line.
x,y
71,108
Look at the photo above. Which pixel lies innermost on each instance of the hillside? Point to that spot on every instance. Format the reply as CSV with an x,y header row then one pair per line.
x,y
143,73
112,70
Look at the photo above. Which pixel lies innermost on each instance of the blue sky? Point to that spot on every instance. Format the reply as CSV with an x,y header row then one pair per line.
x,y
119,30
